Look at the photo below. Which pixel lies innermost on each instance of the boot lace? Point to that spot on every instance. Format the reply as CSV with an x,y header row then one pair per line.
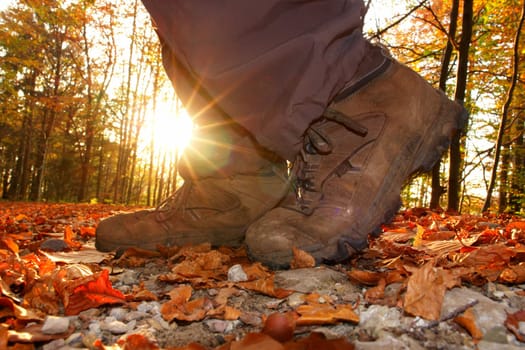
x,y
174,203
308,181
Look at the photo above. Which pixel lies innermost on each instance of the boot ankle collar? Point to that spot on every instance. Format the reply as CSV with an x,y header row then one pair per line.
x,y
353,86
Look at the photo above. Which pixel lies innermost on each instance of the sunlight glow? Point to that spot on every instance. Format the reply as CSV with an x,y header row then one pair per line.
x,y
169,128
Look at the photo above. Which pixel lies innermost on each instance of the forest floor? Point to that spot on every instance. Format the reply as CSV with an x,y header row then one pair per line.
x,y
430,281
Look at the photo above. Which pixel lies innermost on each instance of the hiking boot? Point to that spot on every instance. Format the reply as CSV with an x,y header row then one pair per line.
x,y
226,188
374,136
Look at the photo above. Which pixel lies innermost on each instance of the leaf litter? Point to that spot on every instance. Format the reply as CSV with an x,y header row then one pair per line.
x,y
203,297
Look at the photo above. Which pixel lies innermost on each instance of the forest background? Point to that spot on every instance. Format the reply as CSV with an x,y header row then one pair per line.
x,y
87,113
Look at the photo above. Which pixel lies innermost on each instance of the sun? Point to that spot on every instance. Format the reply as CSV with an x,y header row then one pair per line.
x,y
169,130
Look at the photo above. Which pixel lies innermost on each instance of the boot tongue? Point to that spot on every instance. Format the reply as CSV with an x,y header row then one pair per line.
x,y
208,194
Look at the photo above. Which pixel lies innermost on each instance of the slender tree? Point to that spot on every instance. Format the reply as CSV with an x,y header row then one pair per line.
x,y
505,110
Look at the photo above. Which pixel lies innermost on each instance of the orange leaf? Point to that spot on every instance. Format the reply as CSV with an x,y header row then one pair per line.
x,y
69,235
301,259
10,244
136,341
514,274
256,341
191,311
513,324
93,294
181,294
368,278
265,286
325,314
9,309
318,341
468,321
87,231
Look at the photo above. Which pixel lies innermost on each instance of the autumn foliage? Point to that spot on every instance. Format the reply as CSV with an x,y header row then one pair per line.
x,y
48,266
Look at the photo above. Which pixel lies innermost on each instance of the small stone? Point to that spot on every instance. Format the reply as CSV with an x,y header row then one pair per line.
x,y
237,274
251,319
158,323
221,326
89,314
118,313
128,277
135,315
496,335
151,307
295,299
378,317
55,344
75,340
89,338
94,328
55,325
116,327
54,245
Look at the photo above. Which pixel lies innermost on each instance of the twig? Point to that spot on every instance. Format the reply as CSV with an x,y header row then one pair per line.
x,y
455,313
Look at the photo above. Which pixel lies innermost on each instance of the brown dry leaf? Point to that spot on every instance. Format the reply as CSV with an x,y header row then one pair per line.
x,y
468,321
33,334
513,324
514,274
4,336
318,314
69,237
255,341
426,289
256,271
318,341
265,286
145,295
492,256
181,294
10,244
375,294
43,298
418,239
8,308
225,294
301,259
136,342
225,312
193,310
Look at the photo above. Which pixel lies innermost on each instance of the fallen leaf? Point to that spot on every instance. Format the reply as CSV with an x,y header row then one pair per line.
x,y
33,334
318,341
320,314
69,236
93,293
190,311
10,309
468,321
301,259
256,341
265,286
514,274
513,324
136,342
426,289
375,294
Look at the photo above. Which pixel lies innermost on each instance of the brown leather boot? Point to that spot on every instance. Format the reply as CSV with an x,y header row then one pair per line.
x,y
355,159
229,182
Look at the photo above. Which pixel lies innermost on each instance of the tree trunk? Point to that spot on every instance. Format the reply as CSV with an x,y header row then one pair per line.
x,y
437,188
505,110
456,154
